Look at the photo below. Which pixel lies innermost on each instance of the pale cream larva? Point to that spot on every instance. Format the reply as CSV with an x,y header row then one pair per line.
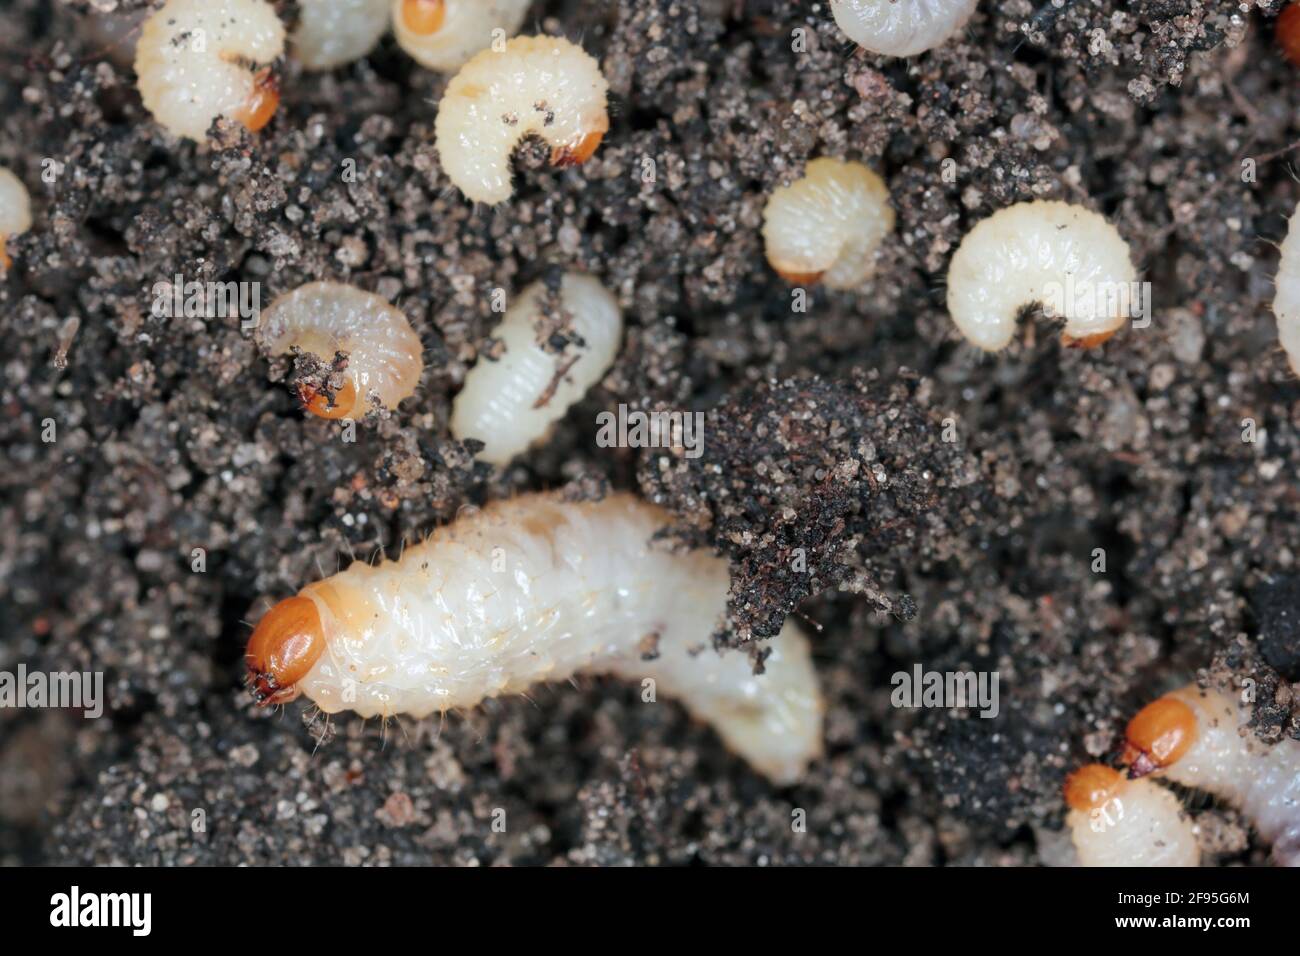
x,y
443,34
200,59
332,33
384,355
828,225
1064,256
539,589
534,86
1200,739
510,402
901,27
15,212
1114,821
1286,303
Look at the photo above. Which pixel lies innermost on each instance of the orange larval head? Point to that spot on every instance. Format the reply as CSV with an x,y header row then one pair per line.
x,y
1091,786
1288,33
263,102
579,152
1086,341
800,278
1159,735
319,402
423,16
284,646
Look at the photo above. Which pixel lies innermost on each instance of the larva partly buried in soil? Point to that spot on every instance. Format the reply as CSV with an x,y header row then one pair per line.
x,y
1027,252
1286,300
828,225
538,589
1114,821
15,212
331,33
442,35
384,355
901,27
510,403
1200,739
543,86
191,64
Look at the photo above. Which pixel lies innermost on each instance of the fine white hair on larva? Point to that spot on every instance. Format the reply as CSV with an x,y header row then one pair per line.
x,y
511,402
1286,302
192,64
539,589
1114,821
442,35
15,211
384,355
1201,739
1062,255
828,225
543,86
331,33
901,27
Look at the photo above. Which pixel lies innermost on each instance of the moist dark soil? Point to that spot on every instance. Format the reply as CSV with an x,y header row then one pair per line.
x,y
948,507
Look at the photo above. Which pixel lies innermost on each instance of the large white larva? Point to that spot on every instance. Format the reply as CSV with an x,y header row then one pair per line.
x,y
511,402
901,27
384,353
538,589
543,86
15,212
1024,253
443,34
828,225
1286,303
1200,739
331,33
1114,821
192,64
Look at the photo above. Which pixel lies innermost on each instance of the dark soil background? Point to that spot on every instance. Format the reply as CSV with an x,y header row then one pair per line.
x,y
824,433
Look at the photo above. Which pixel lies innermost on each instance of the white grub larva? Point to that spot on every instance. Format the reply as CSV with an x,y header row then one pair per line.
x,y
511,402
15,212
538,589
331,33
442,35
828,225
383,352
901,27
1200,739
543,86
1286,303
1114,821
1022,254
200,59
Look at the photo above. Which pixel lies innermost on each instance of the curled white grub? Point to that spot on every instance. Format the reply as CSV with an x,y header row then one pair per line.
x,y
442,35
1064,256
332,33
539,589
200,59
536,86
901,27
512,402
828,225
15,212
1286,302
1114,821
384,355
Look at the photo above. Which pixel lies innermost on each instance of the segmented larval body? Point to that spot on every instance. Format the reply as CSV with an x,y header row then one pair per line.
x,y
828,225
332,33
1114,821
1286,301
192,64
511,402
901,27
442,35
538,589
15,211
542,86
1040,251
384,353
